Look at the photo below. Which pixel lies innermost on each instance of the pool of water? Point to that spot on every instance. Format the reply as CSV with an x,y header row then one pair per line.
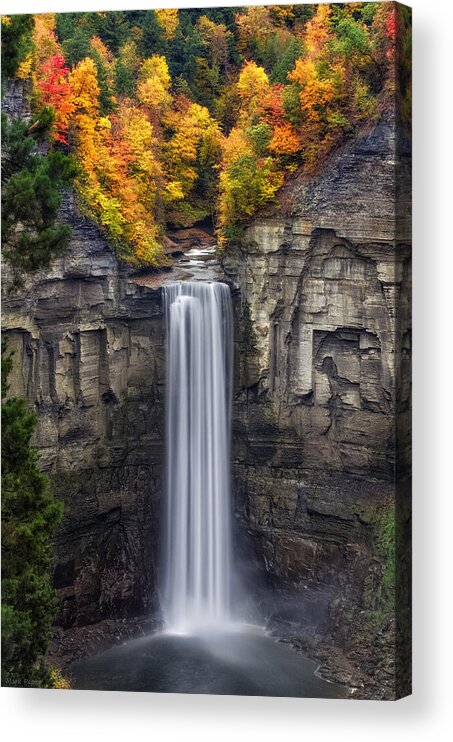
x,y
242,661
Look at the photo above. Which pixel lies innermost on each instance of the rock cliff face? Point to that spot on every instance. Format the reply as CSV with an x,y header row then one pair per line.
x,y
89,355
323,300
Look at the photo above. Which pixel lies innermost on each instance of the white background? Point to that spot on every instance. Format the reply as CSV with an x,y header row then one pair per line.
x,y
80,715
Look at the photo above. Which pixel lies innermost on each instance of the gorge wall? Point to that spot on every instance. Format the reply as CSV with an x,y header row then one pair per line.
x,y
89,355
323,292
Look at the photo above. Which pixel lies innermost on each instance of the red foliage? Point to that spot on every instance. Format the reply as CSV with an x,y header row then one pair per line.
x,y
391,25
391,28
271,110
56,92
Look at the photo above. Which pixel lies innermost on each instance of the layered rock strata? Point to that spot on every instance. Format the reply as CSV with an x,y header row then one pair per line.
x,y
89,355
322,410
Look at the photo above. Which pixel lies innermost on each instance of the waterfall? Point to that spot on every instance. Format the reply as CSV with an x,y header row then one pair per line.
x,y
197,548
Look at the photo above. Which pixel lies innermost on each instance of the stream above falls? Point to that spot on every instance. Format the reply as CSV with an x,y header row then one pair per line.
x,y
243,661
198,263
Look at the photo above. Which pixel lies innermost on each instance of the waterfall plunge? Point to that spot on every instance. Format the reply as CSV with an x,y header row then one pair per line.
x,y
198,531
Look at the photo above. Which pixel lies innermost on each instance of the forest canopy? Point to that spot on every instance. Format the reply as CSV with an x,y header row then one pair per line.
x,y
174,116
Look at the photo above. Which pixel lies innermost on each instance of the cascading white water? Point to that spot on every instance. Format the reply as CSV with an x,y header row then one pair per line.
x,y
198,414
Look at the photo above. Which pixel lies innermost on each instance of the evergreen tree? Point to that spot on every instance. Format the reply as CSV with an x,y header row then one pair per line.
x,y
112,27
151,41
16,42
124,81
105,93
285,60
29,516
31,195
77,46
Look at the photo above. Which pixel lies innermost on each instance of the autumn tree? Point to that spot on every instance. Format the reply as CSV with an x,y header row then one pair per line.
x,y
45,42
168,21
282,84
56,91
252,85
153,88
191,156
247,182
120,171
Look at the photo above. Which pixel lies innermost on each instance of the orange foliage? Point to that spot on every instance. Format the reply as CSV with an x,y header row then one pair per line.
x,y
317,30
285,140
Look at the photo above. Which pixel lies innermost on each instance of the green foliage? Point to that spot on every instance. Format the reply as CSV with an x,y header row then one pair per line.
x,y
151,41
291,104
77,46
247,340
248,184
379,592
16,42
260,135
124,81
285,61
106,102
351,38
29,517
31,195
387,546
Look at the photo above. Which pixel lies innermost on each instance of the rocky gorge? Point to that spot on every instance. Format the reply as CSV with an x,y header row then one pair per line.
x,y
321,417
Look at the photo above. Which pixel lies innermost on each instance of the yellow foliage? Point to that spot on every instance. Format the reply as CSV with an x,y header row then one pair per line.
x,y
247,182
25,67
85,88
194,127
174,190
58,680
156,67
154,85
317,30
253,85
104,123
235,145
168,21
128,56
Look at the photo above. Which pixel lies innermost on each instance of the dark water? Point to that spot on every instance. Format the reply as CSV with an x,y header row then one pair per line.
x,y
245,662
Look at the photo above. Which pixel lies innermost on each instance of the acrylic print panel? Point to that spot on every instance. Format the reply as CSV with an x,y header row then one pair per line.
x,y
206,314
